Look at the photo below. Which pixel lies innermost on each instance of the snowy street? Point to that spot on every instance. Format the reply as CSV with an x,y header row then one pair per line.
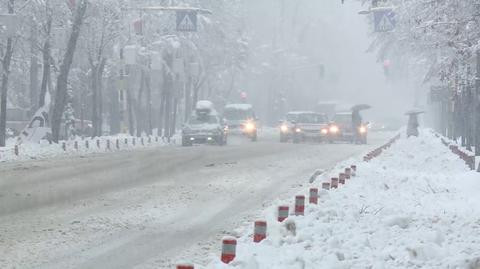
x,y
148,208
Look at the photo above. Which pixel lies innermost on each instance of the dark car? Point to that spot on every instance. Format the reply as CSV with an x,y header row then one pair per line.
x,y
300,126
342,129
241,119
204,127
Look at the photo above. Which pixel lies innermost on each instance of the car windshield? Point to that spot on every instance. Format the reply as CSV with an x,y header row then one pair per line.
x,y
307,118
343,118
238,114
203,119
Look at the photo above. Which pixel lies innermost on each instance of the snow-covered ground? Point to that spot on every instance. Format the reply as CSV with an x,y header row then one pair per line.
x,y
79,146
416,206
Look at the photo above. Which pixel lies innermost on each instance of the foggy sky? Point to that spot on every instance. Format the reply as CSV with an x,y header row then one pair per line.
x,y
324,32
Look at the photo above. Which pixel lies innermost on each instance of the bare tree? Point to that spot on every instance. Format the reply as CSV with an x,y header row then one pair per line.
x,y
7,58
62,79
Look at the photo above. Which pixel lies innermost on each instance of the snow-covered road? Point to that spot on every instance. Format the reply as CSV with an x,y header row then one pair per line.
x,y
147,208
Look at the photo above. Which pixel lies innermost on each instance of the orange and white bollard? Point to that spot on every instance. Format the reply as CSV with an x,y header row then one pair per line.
x,y
117,144
259,231
15,150
334,183
185,266
64,146
326,186
341,178
282,213
313,199
87,145
229,249
299,205
75,145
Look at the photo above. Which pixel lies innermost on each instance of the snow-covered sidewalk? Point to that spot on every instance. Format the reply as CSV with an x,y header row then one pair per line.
x,y
78,147
416,206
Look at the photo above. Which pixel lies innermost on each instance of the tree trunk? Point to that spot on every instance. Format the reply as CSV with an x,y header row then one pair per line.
x,y
139,105
149,104
33,68
114,107
62,80
6,70
97,97
94,81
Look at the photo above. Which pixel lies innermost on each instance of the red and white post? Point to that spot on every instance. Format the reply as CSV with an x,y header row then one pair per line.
x,y
334,183
313,199
348,173
259,231
229,249
354,170
185,266
282,213
299,205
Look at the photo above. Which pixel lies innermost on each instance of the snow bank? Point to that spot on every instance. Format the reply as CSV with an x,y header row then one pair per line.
x,y
44,149
416,206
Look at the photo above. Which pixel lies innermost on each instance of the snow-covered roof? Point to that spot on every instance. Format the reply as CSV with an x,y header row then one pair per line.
x,y
239,106
204,105
301,112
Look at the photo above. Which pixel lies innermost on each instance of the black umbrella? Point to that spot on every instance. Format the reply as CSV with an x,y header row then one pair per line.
x,y
361,107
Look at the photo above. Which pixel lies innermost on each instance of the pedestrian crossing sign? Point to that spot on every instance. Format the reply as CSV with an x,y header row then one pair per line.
x,y
384,20
187,21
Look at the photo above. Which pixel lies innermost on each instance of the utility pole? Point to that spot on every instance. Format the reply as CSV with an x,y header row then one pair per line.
x,y
476,105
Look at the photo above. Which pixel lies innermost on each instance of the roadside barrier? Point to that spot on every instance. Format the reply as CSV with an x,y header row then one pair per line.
x,y
229,249
341,178
185,266
378,151
299,205
84,145
313,199
354,170
282,213
348,173
334,183
467,157
326,186
259,231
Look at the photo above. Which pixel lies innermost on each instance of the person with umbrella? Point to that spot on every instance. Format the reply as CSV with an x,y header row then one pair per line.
x,y
412,126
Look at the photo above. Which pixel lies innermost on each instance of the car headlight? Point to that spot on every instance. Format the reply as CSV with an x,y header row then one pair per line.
x,y
362,129
298,130
249,126
284,128
333,129
324,131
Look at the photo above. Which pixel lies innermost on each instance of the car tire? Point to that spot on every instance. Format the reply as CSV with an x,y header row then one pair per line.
x,y
186,142
254,137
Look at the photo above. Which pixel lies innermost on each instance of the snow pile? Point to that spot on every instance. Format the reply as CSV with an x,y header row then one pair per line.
x,y
43,150
416,206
